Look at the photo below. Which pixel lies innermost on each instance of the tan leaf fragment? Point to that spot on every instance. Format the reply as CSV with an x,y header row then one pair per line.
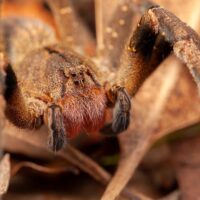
x,y
32,144
4,174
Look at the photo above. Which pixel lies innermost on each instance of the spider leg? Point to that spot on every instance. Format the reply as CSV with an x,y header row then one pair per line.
x,y
185,41
18,114
72,30
121,112
54,120
16,109
157,33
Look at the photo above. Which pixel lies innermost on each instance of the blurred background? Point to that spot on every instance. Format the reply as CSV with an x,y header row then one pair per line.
x,y
158,155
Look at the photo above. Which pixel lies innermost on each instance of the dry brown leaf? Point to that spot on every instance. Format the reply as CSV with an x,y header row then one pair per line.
x,y
4,174
32,143
162,105
187,165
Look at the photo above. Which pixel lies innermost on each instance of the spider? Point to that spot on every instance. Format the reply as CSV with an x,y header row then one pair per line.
x,y
49,81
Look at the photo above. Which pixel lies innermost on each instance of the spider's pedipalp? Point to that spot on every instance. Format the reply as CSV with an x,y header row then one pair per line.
x,y
54,121
121,112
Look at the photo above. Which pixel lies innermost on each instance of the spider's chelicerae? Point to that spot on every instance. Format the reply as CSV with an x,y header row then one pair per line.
x,y
49,82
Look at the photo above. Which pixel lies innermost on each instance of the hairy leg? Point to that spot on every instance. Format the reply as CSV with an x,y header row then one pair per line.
x,y
157,32
16,108
33,114
119,98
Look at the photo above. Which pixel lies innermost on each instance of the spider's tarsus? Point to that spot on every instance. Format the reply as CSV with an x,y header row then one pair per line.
x,y
56,140
121,122
56,127
121,112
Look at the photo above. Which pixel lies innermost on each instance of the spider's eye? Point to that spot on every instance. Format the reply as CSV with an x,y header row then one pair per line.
x,y
73,75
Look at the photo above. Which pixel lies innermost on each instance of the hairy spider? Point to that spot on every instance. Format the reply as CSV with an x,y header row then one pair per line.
x,y
49,82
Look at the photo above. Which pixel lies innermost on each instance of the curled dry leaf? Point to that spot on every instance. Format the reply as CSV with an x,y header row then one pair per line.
x,y
4,174
162,105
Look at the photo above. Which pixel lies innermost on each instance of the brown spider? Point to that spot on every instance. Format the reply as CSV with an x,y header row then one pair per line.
x,y
47,82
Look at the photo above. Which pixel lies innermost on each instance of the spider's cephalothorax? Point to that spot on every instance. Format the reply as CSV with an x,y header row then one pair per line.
x,y
53,85
60,91
49,83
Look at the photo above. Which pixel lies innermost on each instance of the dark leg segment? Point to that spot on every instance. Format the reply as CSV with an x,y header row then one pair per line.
x,y
121,112
16,109
56,127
